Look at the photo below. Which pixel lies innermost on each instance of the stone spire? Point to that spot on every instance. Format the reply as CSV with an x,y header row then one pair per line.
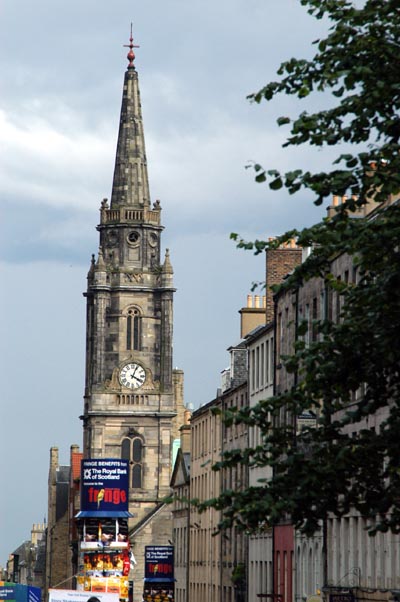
x,y
167,267
167,271
92,268
130,185
100,265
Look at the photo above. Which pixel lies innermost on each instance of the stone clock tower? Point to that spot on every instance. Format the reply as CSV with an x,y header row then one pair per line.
x,y
133,398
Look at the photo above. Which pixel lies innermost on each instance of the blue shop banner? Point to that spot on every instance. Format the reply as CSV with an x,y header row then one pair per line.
x,y
159,563
104,485
19,593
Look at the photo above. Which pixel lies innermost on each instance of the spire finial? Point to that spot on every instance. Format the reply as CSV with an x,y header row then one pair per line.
x,y
167,267
131,55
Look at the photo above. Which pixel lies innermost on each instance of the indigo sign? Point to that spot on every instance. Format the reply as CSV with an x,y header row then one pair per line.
x,y
159,563
104,484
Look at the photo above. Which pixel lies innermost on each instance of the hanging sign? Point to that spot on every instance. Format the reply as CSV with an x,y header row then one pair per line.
x,y
159,562
104,485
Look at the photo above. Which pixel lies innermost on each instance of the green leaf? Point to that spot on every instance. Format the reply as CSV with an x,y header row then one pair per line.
x,y
276,184
261,177
351,358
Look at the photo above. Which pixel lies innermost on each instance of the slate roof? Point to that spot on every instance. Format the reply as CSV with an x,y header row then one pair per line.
x,y
182,459
62,490
62,474
40,563
146,519
186,459
21,550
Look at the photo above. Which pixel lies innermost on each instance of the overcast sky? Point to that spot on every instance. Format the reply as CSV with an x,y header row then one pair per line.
x,y
62,68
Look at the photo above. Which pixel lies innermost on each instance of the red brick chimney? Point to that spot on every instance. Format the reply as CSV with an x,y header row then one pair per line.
x,y
279,262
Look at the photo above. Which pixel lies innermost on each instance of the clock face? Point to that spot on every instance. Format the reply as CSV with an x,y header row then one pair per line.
x,y
132,376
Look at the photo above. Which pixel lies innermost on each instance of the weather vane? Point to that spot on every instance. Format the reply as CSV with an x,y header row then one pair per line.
x,y
131,55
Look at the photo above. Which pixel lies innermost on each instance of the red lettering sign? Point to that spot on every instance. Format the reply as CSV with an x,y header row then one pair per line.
x,y
111,496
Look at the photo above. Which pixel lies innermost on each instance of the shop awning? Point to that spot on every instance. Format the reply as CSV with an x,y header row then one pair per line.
x,y
104,514
159,579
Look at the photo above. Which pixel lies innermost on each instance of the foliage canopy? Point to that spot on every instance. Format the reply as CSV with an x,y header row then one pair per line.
x,y
325,469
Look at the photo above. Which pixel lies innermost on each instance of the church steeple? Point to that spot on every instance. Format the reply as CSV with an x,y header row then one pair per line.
x,y
130,184
133,402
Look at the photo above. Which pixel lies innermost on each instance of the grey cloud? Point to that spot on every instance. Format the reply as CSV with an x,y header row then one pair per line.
x,y
62,66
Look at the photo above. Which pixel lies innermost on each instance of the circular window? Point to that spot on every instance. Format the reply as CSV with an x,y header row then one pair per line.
x,y
133,237
153,239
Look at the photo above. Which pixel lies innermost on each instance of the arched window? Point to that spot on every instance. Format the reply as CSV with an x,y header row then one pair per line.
x,y
133,330
132,450
136,476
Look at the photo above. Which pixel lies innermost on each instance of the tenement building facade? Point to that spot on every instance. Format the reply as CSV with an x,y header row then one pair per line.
x,y
260,346
133,404
215,569
271,550
340,562
341,559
